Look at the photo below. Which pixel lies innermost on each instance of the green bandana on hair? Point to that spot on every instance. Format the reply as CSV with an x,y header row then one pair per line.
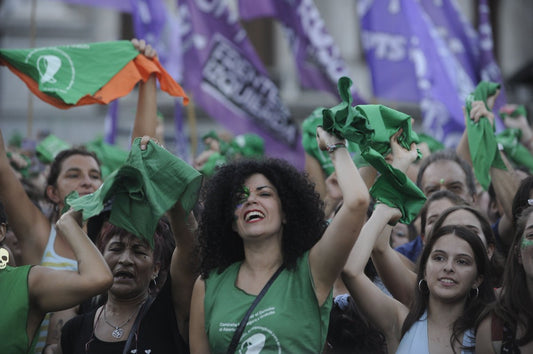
x,y
49,147
481,139
519,111
371,127
148,184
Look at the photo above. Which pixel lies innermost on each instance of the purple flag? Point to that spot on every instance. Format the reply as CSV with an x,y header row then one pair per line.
x,y
229,82
318,59
157,23
436,77
181,147
111,121
385,35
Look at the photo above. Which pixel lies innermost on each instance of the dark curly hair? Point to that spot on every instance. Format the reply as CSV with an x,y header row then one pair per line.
x,y
220,245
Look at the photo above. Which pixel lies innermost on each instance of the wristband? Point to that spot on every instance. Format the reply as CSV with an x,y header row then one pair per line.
x,y
334,147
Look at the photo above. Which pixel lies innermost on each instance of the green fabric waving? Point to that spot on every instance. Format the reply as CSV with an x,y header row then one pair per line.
x,y
481,139
70,72
371,127
514,150
142,190
111,156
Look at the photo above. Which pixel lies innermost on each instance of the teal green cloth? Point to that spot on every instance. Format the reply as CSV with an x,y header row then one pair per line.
x,y
148,184
224,146
247,145
371,127
395,189
16,139
70,72
481,138
49,147
433,144
310,144
111,156
214,161
519,155
519,111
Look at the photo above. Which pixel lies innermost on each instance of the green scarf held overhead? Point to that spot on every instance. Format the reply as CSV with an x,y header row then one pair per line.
x,y
519,111
481,139
371,127
310,144
148,184
516,152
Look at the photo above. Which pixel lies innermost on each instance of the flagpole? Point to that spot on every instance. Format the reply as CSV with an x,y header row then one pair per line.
x,y
29,126
191,121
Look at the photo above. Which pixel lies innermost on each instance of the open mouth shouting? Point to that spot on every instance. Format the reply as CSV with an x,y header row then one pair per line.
x,y
253,216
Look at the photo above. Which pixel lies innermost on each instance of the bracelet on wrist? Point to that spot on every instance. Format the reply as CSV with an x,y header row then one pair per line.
x,y
332,147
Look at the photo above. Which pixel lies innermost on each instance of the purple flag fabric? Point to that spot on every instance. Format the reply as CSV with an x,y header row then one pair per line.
x,y
436,77
229,82
386,36
157,23
111,122
317,57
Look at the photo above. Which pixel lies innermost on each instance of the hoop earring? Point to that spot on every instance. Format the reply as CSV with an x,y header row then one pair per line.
x,y
155,283
477,293
420,285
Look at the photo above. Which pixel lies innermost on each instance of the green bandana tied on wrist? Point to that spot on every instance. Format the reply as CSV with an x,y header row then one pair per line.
x,y
481,139
143,189
371,127
514,150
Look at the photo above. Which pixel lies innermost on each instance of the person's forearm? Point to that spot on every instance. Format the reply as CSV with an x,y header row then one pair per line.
x,y
146,115
91,263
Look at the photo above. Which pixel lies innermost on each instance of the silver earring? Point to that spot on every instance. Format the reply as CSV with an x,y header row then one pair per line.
x,y
477,293
155,283
420,285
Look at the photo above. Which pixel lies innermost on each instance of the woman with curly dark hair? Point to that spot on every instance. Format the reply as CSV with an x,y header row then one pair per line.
x,y
261,216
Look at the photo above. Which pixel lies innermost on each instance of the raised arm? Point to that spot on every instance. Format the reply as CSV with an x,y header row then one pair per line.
x,y
328,256
395,270
505,182
383,311
183,265
146,115
30,225
53,290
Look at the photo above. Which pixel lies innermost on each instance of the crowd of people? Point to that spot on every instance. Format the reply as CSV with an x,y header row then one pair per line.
x,y
241,252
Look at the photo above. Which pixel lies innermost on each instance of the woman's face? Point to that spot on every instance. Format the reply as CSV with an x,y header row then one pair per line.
x,y
399,235
451,269
132,265
526,248
259,213
78,173
434,210
466,218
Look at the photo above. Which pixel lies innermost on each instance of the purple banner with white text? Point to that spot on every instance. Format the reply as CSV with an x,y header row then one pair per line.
x,y
229,82
317,57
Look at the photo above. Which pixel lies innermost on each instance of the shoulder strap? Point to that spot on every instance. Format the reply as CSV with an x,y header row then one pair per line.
x,y
137,323
238,332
